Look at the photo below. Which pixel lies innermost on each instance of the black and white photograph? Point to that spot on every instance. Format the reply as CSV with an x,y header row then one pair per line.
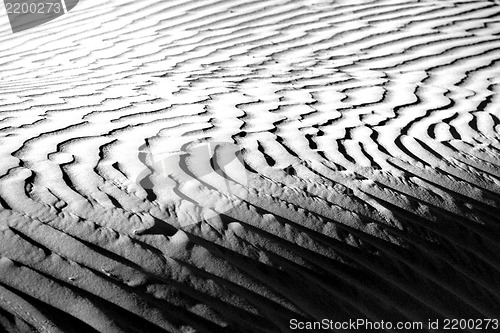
x,y
249,166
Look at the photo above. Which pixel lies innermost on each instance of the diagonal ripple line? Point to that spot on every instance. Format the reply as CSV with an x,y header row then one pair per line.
x,y
63,4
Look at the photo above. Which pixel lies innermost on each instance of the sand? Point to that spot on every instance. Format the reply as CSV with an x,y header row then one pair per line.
x,y
232,166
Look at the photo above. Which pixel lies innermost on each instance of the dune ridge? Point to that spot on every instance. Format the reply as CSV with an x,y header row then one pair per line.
x,y
369,135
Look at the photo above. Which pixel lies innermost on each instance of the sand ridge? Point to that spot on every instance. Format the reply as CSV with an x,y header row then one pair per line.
x,y
369,135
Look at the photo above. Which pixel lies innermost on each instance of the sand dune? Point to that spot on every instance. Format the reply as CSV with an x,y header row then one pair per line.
x,y
228,166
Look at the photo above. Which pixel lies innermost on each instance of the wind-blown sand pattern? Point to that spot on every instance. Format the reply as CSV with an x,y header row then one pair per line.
x,y
369,132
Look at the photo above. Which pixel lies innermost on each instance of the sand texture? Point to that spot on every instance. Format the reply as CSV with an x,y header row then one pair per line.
x,y
227,166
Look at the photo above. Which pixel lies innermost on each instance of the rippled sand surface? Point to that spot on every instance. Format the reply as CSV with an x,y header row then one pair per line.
x,y
228,166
